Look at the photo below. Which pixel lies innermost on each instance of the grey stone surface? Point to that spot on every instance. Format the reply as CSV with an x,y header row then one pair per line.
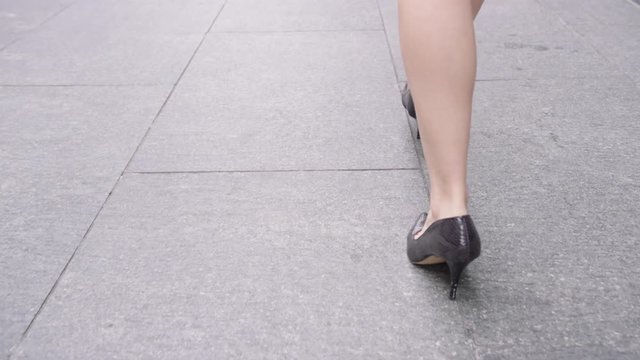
x,y
114,47
541,60
603,27
255,256
320,100
166,17
62,150
19,17
595,12
525,40
299,15
552,169
503,20
263,265
624,52
91,58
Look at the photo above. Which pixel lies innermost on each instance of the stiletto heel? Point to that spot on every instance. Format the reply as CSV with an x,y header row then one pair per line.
x,y
452,240
407,102
455,269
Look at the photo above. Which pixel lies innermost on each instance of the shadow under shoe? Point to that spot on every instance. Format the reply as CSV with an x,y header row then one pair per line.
x,y
453,240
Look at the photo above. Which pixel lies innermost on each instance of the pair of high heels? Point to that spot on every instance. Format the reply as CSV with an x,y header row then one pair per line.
x,y
454,241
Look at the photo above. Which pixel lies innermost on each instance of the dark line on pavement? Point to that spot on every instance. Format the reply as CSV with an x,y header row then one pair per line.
x,y
269,171
386,37
407,117
293,31
82,85
55,284
20,36
9,44
53,15
510,79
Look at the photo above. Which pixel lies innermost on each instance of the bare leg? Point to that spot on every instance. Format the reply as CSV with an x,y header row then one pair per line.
x,y
439,52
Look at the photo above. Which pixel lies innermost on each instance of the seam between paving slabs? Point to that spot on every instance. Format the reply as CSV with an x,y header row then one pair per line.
x,y
292,31
269,171
57,281
82,85
116,85
416,144
49,18
635,2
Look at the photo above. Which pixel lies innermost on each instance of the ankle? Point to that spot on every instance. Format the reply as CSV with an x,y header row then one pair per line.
x,y
448,201
437,212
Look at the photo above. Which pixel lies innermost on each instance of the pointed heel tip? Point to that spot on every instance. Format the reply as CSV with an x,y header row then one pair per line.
x,y
453,292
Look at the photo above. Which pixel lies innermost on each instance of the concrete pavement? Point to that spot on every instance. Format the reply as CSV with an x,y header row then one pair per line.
x,y
235,179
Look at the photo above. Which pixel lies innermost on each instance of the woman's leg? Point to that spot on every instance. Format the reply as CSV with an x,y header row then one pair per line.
x,y
439,53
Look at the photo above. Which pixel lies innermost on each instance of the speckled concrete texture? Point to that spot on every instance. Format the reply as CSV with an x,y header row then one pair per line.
x,y
235,179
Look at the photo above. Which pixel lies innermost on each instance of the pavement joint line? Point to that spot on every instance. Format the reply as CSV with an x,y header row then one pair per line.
x,y
168,84
271,171
386,35
10,43
494,300
416,144
293,31
50,17
510,79
555,78
46,20
635,2
90,227
83,85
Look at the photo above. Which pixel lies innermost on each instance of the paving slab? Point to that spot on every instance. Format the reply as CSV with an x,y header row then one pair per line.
x,y
265,250
606,28
63,148
298,15
19,17
504,20
562,155
596,13
94,59
556,147
316,100
114,46
540,60
246,265
623,51
138,17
